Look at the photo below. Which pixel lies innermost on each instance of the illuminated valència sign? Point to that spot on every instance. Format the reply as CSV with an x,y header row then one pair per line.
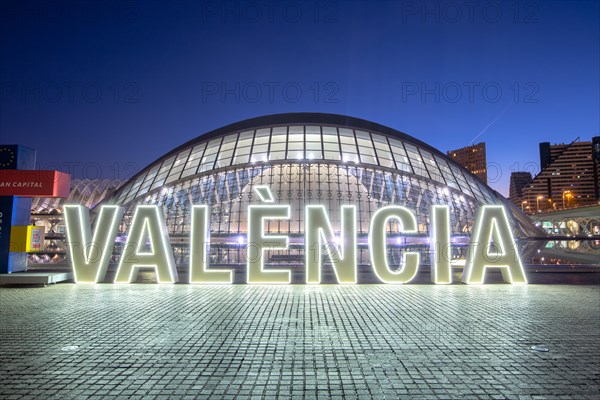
x,y
147,246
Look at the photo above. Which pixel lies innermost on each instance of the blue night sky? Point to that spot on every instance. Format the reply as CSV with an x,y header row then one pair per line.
x,y
116,85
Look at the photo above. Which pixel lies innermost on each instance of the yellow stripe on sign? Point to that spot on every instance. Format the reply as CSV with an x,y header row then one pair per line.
x,y
29,239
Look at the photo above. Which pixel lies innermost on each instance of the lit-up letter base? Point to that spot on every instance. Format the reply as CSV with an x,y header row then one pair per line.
x,y
147,245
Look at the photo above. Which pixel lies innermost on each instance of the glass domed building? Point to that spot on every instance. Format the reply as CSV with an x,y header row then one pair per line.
x,y
308,158
49,213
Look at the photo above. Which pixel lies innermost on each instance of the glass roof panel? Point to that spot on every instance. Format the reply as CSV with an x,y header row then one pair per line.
x,y
305,143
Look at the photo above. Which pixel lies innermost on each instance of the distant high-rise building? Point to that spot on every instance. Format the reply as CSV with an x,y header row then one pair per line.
x,y
596,162
545,156
518,182
568,177
549,153
472,158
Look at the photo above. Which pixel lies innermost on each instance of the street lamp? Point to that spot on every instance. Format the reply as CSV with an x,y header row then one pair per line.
x,y
522,203
537,203
568,194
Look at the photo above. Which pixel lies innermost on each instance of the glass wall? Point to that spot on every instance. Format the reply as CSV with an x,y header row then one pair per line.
x,y
305,164
229,192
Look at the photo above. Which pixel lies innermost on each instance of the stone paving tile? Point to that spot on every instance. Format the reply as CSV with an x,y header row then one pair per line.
x,y
340,342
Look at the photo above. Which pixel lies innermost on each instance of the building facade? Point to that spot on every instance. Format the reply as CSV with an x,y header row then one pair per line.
x,y
596,164
472,158
518,183
569,177
308,158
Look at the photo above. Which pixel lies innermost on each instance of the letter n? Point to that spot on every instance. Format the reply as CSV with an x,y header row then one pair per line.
x,y
342,252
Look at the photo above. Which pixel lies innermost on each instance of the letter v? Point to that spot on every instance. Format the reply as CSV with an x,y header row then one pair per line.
x,y
90,254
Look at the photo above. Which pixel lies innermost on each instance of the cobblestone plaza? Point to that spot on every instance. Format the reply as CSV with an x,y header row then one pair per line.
x,y
330,341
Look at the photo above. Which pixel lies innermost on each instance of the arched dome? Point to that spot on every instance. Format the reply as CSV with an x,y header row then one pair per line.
x,y
307,158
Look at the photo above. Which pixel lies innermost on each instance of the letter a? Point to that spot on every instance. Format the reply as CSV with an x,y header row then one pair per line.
x,y
492,223
148,226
